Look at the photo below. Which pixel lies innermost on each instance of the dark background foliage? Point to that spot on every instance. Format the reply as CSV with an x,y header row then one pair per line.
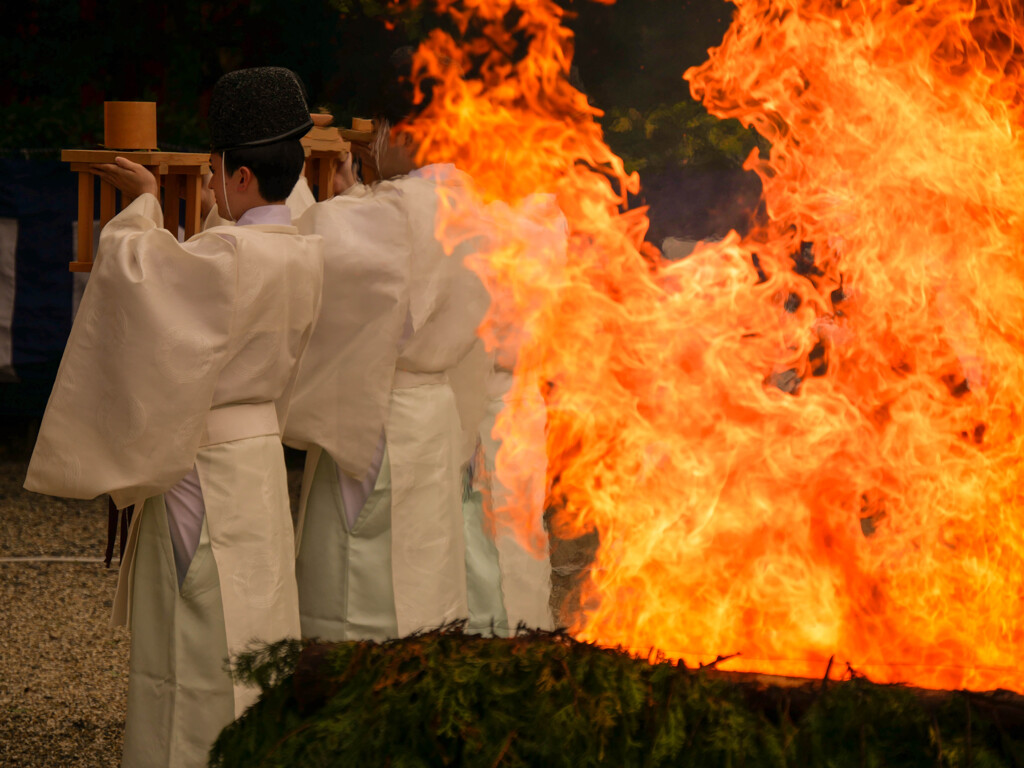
x,y
65,58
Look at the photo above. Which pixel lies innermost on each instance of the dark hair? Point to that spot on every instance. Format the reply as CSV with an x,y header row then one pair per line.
x,y
276,166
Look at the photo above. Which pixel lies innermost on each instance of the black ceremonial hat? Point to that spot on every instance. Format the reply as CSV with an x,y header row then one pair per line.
x,y
253,107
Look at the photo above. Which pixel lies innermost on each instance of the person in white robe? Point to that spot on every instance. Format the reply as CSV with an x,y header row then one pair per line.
x,y
172,394
519,574
385,547
394,532
505,509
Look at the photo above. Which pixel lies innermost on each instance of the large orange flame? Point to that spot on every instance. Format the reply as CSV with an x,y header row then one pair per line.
x,y
800,444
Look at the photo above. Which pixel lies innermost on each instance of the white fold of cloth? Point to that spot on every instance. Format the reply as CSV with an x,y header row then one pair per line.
x,y
355,491
185,513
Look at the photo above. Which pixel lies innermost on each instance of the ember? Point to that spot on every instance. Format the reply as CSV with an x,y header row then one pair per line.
x,y
805,442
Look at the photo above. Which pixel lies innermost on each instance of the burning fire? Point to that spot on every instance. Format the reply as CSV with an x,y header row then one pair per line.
x,y
800,444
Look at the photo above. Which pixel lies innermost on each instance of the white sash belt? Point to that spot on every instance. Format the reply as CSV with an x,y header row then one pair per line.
x,y
239,421
410,379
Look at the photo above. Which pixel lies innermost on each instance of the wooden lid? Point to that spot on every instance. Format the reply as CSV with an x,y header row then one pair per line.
x,y
325,139
129,124
362,130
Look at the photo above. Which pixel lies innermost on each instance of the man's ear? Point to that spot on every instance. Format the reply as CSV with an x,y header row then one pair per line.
x,y
245,179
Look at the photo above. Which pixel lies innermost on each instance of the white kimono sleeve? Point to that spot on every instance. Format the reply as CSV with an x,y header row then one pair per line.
x,y
137,377
341,397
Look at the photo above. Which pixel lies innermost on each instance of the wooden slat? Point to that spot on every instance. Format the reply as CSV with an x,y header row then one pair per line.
x,y
326,180
172,169
108,201
141,157
187,170
86,192
309,169
155,170
193,192
184,170
172,204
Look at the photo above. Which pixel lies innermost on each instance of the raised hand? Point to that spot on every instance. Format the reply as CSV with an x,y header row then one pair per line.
x,y
131,178
344,176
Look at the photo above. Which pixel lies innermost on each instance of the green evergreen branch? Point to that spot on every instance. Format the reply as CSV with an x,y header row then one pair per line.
x,y
544,699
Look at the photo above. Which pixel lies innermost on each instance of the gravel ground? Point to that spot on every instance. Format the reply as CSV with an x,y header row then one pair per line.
x,y
63,669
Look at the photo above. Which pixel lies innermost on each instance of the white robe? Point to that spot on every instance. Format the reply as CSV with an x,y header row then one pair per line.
x,y
441,302
182,356
341,398
525,574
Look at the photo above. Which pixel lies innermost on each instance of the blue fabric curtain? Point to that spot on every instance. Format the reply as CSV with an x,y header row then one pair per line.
x,y
42,196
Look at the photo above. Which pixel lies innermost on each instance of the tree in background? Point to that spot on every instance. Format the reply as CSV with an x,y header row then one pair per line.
x,y
631,57
65,59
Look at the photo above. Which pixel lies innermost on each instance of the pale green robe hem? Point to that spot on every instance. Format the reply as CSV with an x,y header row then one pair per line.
x,y
526,576
428,566
487,614
344,573
418,573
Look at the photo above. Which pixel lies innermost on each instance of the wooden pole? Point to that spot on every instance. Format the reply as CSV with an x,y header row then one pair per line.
x,y
326,180
108,202
86,193
172,203
193,193
308,169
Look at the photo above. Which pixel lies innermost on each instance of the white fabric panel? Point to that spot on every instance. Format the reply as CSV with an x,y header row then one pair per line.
x,y
355,491
8,247
185,514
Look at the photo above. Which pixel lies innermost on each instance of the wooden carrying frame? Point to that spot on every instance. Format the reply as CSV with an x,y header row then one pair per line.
x,y
360,137
179,174
323,145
